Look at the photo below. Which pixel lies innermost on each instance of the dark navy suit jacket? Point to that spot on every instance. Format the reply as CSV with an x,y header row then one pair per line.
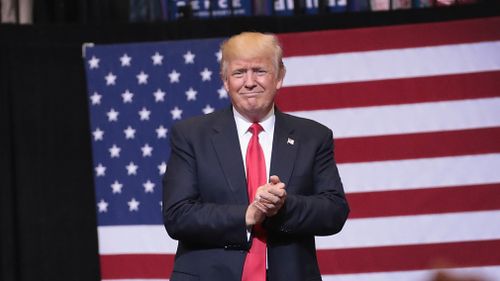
x,y
205,198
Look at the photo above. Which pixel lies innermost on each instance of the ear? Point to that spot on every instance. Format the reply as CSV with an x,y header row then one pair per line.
x,y
281,77
226,83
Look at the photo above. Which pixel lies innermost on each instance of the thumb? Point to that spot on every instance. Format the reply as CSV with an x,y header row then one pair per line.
x,y
274,179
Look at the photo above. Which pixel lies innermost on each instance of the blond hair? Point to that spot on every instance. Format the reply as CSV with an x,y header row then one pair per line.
x,y
250,45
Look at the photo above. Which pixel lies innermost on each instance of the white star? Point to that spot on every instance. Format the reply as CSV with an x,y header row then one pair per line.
x,y
157,59
159,95
102,206
149,187
176,113
174,76
219,55
132,169
189,57
93,62
98,133
208,109
114,151
95,98
142,78
127,96
162,168
110,79
222,93
144,113
133,205
125,59
129,133
146,150
117,187
206,75
100,170
161,132
191,94
112,115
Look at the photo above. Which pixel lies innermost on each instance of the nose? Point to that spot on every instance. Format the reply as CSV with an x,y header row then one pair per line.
x,y
250,80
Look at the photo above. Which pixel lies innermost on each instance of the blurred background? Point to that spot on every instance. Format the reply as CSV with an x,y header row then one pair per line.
x,y
48,221
95,11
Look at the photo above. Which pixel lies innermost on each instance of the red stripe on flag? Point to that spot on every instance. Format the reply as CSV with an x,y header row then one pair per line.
x,y
418,145
136,266
409,257
388,92
341,261
436,200
402,36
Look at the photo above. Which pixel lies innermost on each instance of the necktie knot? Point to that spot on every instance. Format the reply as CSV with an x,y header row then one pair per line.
x,y
255,129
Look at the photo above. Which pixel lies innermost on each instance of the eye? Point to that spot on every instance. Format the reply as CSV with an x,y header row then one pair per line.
x,y
261,72
238,73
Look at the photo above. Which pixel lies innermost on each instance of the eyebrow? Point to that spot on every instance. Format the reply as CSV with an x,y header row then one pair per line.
x,y
244,69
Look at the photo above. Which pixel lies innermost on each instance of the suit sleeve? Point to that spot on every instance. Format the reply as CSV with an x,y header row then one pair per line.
x,y
186,216
323,209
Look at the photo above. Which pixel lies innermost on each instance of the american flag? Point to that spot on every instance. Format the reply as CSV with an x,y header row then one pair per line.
x,y
415,111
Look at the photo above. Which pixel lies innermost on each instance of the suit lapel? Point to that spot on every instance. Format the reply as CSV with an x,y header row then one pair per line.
x,y
227,146
285,146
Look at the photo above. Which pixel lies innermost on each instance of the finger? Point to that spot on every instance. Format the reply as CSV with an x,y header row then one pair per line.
x,y
260,207
264,187
274,179
268,206
263,195
274,210
267,209
269,198
278,191
281,185
257,197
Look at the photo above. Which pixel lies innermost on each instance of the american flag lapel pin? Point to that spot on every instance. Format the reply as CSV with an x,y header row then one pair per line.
x,y
290,141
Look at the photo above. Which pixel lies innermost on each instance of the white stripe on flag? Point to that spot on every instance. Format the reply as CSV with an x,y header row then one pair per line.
x,y
489,273
421,173
135,239
408,118
394,63
421,229
452,227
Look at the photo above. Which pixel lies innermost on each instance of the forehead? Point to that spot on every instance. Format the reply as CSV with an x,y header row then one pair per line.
x,y
264,62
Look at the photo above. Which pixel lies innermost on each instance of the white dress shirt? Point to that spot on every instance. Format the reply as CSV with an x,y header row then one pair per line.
x,y
265,140
265,136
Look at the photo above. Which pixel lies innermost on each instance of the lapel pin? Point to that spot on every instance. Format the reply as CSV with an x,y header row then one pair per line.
x,y
290,141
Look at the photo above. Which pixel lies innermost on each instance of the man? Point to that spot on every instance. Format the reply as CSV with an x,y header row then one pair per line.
x,y
232,223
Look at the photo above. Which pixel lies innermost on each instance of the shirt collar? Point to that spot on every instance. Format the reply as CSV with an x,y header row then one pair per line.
x,y
242,124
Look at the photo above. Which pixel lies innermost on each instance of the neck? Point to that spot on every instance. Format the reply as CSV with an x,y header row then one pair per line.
x,y
256,117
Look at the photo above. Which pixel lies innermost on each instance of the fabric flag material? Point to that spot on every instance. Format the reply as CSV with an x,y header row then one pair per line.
x,y
415,111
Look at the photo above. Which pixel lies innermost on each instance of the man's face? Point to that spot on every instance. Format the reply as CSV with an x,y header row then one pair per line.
x,y
252,86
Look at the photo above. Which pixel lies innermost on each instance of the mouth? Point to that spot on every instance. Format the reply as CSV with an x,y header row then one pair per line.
x,y
250,94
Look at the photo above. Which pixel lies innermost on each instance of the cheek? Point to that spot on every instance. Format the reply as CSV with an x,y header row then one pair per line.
x,y
234,85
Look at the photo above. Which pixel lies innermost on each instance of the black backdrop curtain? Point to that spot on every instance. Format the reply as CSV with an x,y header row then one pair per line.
x,y
47,220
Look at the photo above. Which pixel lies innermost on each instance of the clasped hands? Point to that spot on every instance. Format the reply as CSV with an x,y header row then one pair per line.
x,y
269,199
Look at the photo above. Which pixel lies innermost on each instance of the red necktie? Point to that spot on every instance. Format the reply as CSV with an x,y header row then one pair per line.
x,y
255,262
